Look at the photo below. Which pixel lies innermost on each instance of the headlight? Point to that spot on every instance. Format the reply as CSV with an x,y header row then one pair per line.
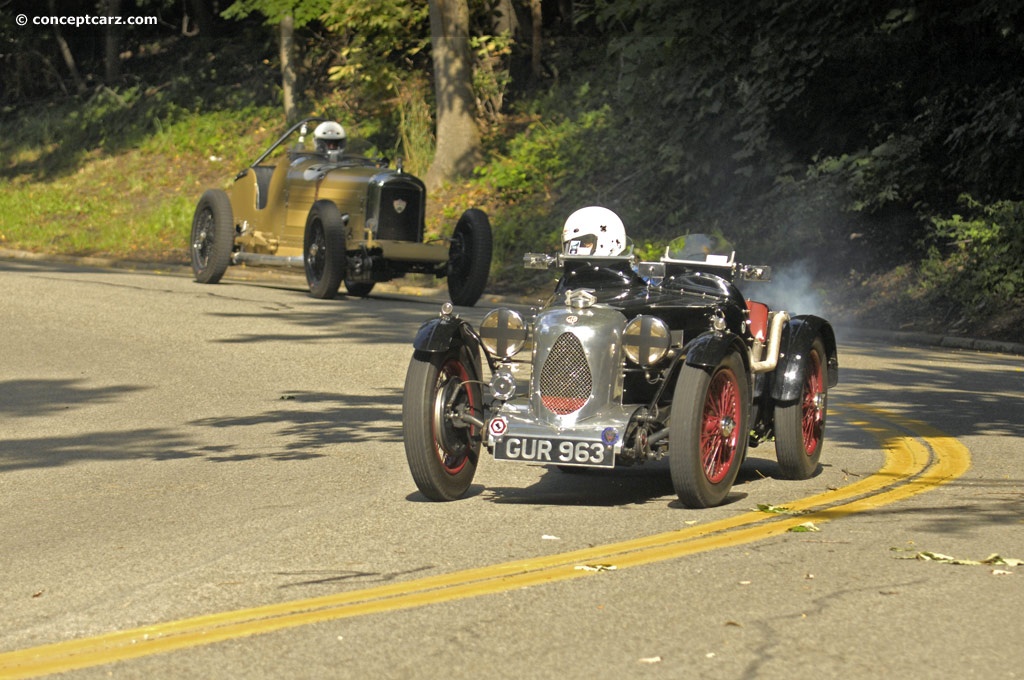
x,y
503,332
646,340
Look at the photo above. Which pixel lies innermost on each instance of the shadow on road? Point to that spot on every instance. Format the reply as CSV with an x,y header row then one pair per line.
x,y
329,420
967,396
30,398
310,423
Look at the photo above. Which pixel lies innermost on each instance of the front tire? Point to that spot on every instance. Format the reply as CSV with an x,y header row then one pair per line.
x,y
323,250
709,431
469,258
800,425
213,236
442,453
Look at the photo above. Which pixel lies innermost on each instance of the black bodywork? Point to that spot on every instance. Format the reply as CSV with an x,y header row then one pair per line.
x,y
788,363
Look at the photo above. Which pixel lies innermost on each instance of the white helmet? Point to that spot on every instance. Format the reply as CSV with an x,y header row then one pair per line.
x,y
329,138
593,231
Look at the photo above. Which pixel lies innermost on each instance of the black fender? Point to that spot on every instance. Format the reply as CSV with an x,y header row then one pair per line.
x,y
439,335
797,337
708,350
446,332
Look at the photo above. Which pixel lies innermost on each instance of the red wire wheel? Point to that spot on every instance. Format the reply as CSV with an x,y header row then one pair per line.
x,y
709,431
800,424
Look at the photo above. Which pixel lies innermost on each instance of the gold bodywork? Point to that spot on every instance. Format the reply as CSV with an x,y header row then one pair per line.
x,y
270,204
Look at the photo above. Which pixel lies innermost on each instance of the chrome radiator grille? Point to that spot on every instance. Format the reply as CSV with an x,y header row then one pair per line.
x,y
565,382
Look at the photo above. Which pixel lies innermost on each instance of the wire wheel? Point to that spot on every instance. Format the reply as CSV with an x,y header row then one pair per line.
x,y
800,424
708,431
442,449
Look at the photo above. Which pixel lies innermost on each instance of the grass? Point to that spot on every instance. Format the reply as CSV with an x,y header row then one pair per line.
x,y
128,203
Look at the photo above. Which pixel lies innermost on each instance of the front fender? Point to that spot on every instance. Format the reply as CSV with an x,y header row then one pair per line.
x,y
797,337
708,350
442,334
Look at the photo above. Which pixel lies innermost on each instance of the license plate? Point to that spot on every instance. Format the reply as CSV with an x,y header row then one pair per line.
x,y
555,451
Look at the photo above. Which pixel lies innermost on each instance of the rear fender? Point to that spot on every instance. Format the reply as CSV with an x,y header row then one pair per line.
x,y
797,338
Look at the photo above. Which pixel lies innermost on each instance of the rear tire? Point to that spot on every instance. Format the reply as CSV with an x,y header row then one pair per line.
x,y
708,431
323,250
469,258
213,236
800,425
360,289
442,455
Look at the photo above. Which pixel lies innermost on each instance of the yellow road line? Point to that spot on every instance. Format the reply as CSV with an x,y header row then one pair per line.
x,y
910,467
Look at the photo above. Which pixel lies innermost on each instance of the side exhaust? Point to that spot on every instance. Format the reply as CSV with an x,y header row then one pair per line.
x,y
268,260
771,359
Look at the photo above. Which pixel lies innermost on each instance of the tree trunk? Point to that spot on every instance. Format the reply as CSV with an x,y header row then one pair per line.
x,y
537,19
65,53
458,138
111,42
505,19
202,18
565,15
288,77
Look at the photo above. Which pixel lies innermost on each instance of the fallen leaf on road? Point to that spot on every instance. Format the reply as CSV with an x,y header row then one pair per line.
x,y
994,558
774,509
595,567
806,526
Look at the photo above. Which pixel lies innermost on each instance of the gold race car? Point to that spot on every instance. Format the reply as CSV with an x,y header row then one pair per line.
x,y
342,217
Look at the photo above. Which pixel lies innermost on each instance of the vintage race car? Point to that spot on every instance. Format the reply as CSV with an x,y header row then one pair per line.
x,y
342,217
628,362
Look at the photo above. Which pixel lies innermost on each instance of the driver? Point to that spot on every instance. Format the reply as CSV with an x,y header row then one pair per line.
x,y
329,139
593,231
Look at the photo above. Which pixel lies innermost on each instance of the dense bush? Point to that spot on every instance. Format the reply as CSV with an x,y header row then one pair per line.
x,y
977,257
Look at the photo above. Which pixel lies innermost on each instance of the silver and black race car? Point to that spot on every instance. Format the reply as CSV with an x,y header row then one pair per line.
x,y
628,362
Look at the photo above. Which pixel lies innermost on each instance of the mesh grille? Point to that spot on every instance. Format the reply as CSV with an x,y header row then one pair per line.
x,y
404,225
565,383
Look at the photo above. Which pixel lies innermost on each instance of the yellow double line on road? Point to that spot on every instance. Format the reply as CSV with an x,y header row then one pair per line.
x,y
918,458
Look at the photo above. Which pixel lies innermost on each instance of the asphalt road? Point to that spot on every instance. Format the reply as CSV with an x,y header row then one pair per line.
x,y
209,481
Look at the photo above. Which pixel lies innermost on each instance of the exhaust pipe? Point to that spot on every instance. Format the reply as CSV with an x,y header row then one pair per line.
x,y
774,341
268,260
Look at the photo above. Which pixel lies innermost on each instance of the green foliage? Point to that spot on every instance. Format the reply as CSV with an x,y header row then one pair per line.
x,y
377,42
117,169
841,134
545,156
376,58
137,204
799,127
979,259
56,139
491,75
543,174
301,11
